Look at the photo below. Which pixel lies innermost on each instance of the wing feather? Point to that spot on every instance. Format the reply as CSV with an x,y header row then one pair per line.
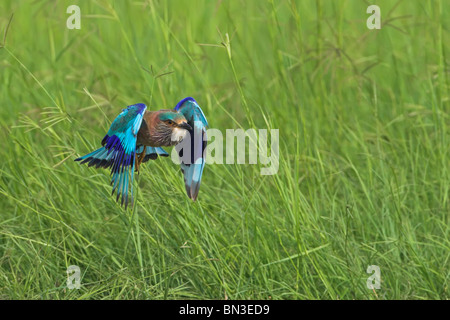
x,y
118,151
191,150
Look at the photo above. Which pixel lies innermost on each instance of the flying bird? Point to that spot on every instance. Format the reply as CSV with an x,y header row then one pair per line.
x,y
138,135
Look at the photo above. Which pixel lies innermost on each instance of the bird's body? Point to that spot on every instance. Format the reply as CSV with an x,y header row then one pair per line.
x,y
138,135
155,132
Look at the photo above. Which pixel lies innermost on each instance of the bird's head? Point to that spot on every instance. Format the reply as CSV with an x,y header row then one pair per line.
x,y
173,126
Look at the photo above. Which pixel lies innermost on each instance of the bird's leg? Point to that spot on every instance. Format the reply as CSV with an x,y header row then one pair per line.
x,y
139,160
141,157
136,162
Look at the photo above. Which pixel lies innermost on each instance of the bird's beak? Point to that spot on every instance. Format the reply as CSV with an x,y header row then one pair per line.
x,y
185,125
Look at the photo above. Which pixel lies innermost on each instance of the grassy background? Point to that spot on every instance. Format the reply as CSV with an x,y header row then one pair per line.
x,y
364,171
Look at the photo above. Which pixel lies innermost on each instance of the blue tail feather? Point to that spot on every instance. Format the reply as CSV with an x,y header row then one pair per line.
x,y
152,153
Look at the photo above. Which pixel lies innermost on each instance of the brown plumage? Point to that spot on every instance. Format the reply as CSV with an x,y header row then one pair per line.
x,y
162,128
158,127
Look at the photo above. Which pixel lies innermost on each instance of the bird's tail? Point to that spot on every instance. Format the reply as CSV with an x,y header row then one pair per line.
x,y
152,153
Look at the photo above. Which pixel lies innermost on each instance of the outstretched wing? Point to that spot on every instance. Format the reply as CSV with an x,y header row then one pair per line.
x,y
191,149
119,149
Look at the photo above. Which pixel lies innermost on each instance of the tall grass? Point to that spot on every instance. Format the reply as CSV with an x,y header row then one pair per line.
x,y
364,145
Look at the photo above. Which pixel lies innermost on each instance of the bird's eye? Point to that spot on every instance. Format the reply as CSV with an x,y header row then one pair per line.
x,y
170,122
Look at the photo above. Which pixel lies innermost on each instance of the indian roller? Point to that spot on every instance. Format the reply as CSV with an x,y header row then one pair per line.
x,y
138,135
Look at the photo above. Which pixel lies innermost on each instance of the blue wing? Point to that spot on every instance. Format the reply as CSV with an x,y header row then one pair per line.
x,y
119,149
191,151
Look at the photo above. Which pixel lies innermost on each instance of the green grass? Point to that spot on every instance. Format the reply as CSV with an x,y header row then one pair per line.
x,y
364,175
